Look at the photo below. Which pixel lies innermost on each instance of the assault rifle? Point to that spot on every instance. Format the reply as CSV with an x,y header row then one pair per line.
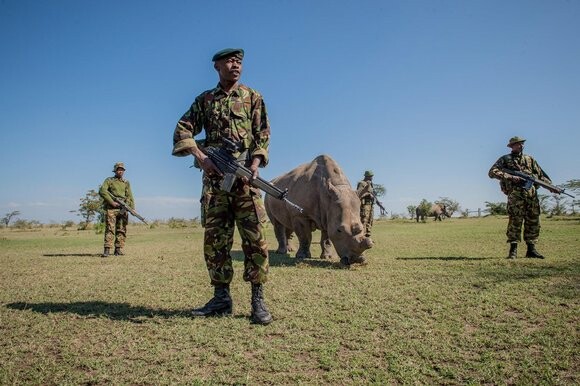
x,y
233,168
127,208
531,180
380,204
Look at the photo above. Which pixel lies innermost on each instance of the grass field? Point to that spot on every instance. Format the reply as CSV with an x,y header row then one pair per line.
x,y
438,303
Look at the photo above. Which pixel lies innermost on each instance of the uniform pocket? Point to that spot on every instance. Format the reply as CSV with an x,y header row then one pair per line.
x,y
256,195
238,111
205,201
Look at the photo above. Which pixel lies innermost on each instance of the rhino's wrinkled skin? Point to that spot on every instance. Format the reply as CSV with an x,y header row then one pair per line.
x,y
330,204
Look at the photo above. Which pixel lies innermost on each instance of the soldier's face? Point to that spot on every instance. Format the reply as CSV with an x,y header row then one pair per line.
x,y
229,69
517,147
119,173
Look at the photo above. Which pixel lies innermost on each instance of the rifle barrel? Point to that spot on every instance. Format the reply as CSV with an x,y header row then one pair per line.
x,y
535,180
228,164
129,209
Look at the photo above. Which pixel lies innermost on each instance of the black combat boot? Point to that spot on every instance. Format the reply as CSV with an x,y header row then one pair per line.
x,y
533,253
513,251
118,251
260,313
106,252
220,304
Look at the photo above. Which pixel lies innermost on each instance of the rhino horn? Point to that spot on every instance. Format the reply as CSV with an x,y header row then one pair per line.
x,y
367,243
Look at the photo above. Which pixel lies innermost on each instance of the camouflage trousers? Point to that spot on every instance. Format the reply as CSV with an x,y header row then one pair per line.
x,y
366,217
221,213
116,228
523,209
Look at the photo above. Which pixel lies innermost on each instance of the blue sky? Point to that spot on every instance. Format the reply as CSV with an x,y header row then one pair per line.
x,y
424,93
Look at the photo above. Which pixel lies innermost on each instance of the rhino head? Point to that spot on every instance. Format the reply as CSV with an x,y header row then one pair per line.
x,y
439,209
344,227
446,212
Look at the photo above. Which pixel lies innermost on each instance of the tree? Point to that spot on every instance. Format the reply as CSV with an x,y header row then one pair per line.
x,y
379,190
451,206
574,186
544,203
6,219
424,207
559,208
496,208
412,209
91,205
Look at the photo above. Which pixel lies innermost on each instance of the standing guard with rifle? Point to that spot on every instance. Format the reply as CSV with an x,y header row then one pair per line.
x,y
366,193
520,176
230,197
116,216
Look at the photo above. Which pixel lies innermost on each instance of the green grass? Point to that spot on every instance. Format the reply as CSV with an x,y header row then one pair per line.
x,y
438,303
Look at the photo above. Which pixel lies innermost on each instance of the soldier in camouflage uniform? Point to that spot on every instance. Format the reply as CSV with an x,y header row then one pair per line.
x,y
523,205
116,219
365,192
234,111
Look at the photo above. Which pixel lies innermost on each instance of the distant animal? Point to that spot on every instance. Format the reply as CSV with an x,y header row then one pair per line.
x,y
330,204
438,211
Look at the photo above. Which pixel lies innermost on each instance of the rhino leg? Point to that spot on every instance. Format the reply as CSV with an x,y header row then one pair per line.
x,y
326,246
304,234
289,235
280,232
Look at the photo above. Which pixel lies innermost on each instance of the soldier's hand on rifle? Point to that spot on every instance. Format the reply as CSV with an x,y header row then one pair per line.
x,y
116,204
204,162
209,167
256,161
515,179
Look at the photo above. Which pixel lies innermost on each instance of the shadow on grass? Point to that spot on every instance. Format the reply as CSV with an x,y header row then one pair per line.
x,y
529,269
72,254
285,260
96,309
446,258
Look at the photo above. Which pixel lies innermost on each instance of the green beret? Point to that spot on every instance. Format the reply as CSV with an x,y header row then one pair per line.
x,y
227,52
514,140
369,173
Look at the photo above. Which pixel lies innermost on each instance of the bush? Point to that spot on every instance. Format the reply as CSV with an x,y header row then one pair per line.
x,y
100,228
68,224
177,223
26,224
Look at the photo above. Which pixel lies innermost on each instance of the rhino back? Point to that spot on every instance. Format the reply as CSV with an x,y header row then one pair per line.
x,y
436,209
308,186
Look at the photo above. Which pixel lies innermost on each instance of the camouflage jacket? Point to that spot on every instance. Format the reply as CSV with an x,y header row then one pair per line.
x,y
365,190
519,162
117,187
240,116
